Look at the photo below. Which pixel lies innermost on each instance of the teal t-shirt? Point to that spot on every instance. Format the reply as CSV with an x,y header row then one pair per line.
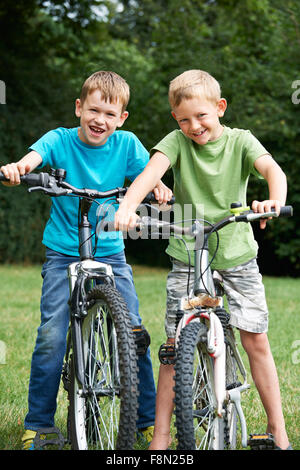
x,y
102,168
209,178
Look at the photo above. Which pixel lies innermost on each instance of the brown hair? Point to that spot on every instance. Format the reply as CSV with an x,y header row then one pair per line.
x,y
191,84
112,87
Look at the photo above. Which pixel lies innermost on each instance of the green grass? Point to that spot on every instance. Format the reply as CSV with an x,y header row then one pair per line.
x,y
19,318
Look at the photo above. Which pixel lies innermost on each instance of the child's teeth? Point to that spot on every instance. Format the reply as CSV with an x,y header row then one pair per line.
x,y
96,130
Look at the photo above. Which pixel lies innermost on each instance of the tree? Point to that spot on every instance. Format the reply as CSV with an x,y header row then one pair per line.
x,y
37,56
251,47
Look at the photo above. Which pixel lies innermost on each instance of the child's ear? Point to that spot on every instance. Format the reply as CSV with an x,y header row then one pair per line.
x,y
173,114
222,105
123,118
78,108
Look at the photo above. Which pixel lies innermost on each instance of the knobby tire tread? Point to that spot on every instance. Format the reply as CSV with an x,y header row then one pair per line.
x,y
189,338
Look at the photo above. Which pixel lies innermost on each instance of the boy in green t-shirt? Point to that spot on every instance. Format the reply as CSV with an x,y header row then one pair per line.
x,y
211,166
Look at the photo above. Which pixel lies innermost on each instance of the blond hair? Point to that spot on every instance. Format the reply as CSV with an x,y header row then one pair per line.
x,y
113,88
192,84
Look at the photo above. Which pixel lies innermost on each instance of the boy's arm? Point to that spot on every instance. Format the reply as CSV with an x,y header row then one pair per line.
x,y
276,180
13,171
125,217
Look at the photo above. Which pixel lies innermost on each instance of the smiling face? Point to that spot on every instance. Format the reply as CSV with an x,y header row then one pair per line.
x,y
199,119
98,118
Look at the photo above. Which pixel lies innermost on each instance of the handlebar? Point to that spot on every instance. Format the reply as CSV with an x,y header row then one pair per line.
x,y
197,227
53,185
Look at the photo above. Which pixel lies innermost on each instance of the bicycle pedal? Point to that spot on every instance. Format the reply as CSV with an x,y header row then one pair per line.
x,y
261,442
167,354
41,442
142,339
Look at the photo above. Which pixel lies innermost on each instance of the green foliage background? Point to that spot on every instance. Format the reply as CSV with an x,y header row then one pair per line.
x,y
48,48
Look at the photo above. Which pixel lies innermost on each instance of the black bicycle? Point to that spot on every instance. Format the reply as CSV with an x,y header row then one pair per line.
x,y
100,367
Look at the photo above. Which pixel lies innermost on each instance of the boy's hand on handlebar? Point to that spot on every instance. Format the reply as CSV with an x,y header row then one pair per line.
x,y
125,219
162,193
266,206
13,172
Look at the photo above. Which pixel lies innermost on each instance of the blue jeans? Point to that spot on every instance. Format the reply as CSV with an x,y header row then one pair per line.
x,y
50,348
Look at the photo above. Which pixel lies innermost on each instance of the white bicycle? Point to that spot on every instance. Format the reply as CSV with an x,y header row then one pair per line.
x,y
209,372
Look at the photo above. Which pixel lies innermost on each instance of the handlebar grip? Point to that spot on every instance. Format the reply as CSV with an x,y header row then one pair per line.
x,y
31,179
109,226
151,198
286,211
36,179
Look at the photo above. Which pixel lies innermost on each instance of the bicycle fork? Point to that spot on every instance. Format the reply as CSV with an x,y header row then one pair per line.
x,y
81,277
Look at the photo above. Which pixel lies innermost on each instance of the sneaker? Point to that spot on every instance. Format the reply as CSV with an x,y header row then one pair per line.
x,y
145,434
28,438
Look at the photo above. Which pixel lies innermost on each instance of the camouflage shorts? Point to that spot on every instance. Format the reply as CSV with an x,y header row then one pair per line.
x,y
244,291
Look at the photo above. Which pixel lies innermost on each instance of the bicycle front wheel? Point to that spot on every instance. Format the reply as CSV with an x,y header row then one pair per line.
x,y
103,411
197,425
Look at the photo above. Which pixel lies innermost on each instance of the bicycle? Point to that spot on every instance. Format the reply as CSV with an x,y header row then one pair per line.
x,y
100,366
209,372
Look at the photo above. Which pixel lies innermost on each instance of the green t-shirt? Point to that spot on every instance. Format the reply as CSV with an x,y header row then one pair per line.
x,y
210,177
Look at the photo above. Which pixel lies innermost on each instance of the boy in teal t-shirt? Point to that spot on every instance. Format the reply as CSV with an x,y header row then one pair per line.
x,y
211,166
94,155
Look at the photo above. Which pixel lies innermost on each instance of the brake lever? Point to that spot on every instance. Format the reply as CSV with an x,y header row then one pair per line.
x,y
54,191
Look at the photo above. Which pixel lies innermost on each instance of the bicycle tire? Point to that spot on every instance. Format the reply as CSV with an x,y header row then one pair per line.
x,y
104,417
198,427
